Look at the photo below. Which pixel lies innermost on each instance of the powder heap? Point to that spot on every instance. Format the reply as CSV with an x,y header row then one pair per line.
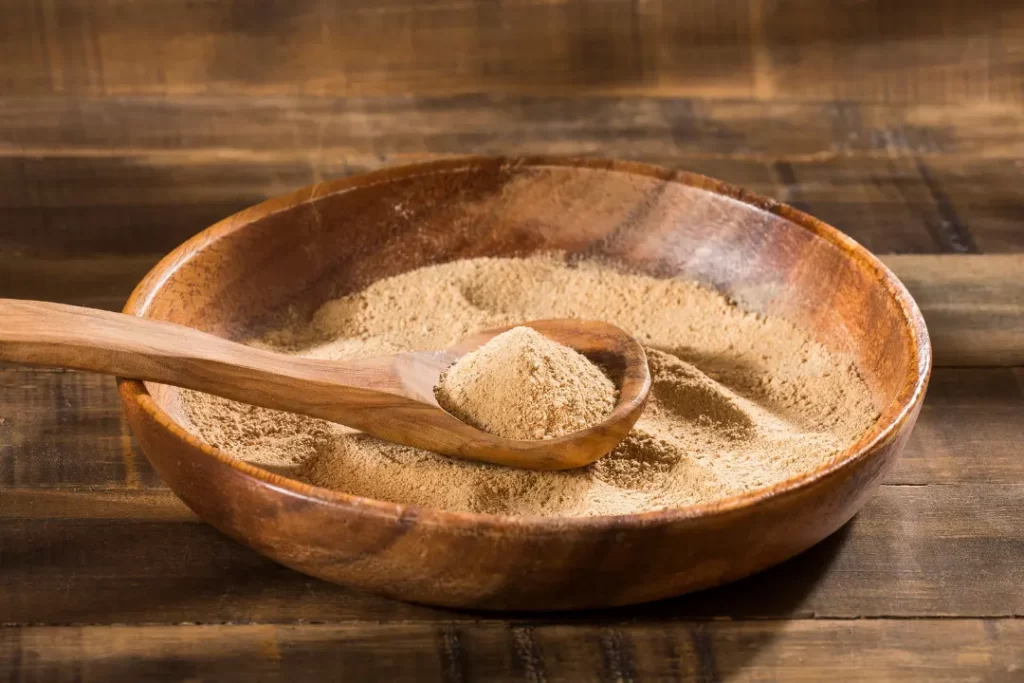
x,y
522,385
738,401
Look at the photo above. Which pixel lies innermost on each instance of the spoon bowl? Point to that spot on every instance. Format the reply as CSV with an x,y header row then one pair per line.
x,y
620,356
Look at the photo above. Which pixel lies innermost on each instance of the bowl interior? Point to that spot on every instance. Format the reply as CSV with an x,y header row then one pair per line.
x,y
284,258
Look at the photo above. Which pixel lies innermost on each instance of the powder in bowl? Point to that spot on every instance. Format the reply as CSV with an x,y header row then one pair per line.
x,y
522,385
738,401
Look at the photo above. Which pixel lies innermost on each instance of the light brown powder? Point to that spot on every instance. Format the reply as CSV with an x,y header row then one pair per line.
x,y
522,385
738,401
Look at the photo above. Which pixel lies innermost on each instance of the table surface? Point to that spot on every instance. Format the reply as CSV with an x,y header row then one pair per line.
x,y
106,576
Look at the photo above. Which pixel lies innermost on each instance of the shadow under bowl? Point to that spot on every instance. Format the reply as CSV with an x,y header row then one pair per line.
x,y
290,254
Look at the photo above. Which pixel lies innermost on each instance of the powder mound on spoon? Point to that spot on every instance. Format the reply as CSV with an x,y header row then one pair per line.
x,y
522,385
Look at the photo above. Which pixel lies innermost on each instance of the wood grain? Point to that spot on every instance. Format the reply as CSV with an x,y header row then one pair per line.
x,y
99,281
970,430
324,130
128,125
109,502
129,178
151,562
884,204
95,190
66,429
974,305
935,650
94,254
945,50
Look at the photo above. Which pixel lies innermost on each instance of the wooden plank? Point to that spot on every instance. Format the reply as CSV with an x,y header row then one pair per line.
x,y
98,281
137,231
974,305
151,504
943,50
316,129
138,176
970,430
148,570
898,558
908,203
912,551
885,204
66,429
882,203
932,650
980,197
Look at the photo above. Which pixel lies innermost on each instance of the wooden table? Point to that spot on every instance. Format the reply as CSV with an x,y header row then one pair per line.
x,y
115,146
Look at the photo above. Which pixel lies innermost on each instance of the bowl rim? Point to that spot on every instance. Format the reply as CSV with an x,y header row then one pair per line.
x,y
907,400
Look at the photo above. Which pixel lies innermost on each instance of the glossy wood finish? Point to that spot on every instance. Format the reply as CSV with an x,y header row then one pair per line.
x,y
294,252
389,396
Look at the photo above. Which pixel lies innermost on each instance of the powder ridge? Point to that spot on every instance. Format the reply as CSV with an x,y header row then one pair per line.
x,y
522,385
738,401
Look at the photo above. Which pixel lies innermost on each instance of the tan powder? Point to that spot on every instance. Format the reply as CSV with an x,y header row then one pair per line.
x,y
738,401
522,385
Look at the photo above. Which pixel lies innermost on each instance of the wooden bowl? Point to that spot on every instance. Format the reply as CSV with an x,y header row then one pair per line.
x,y
294,252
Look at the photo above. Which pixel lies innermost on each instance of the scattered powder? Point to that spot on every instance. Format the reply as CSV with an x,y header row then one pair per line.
x,y
738,401
522,385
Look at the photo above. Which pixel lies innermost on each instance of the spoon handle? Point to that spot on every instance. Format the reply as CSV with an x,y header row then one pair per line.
x,y
42,333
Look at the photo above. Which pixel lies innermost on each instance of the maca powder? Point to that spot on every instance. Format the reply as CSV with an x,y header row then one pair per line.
x,y
738,401
522,385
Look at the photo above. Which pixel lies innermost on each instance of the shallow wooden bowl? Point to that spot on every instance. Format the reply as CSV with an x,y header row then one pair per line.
x,y
290,254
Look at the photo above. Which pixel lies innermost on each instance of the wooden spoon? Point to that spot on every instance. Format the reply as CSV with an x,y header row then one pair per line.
x,y
391,397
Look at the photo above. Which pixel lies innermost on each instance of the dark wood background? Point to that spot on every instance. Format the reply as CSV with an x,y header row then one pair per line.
x,y
128,125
